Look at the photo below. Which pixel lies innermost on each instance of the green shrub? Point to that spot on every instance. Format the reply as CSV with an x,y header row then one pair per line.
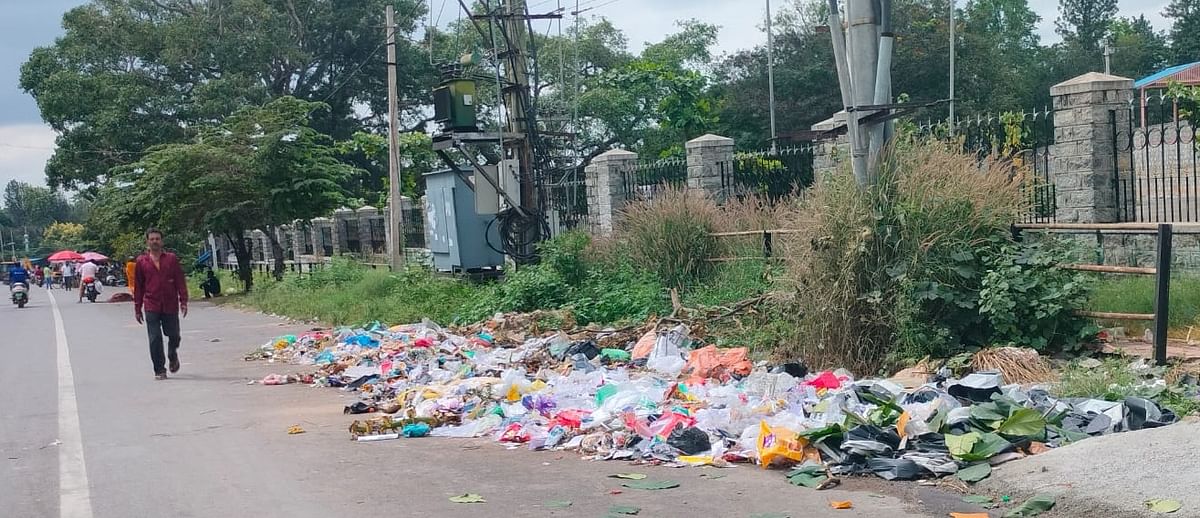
x,y
671,235
533,287
895,271
1028,300
618,292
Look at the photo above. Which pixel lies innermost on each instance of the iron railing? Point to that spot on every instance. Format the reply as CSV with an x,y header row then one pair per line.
x,y
1155,153
1023,139
771,174
650,177
567,202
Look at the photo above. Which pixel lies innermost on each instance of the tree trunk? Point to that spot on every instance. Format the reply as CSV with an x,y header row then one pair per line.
x,y
242,252
276,252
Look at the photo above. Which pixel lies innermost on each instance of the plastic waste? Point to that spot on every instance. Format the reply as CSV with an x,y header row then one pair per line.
x,y
778,444
977,386
690,440
415,430
667,356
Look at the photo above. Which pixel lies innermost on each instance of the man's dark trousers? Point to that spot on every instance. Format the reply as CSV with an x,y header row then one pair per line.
x,y
157,325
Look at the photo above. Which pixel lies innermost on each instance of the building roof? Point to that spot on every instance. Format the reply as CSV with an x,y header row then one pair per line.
x,y
1188,73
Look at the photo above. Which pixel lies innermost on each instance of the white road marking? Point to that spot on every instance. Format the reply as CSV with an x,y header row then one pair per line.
x,y
75,499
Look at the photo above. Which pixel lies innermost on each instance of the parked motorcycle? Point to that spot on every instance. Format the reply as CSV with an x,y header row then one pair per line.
x,y
20,294
90,289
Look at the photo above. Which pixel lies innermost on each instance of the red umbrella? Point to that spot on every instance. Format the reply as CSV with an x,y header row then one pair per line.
x,y
95,256
65,256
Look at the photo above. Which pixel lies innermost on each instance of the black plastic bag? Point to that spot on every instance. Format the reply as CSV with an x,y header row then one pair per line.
x,y
894,469
689,440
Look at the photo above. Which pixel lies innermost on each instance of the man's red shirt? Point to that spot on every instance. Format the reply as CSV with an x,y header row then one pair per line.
x,y
159,289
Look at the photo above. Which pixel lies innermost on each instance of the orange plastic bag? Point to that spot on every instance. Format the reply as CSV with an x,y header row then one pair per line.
x,y
844,504
781,443
710,362
644,345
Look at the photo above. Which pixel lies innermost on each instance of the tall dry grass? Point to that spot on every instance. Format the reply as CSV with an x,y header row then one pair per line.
x,y
874,260
671,235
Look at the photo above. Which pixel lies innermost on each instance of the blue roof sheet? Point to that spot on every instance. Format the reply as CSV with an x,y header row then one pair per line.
x,y
1161,74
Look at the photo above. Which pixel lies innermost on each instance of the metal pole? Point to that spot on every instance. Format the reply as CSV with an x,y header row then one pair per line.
x,y
864,58
953,45
393,234
1162,293
771,75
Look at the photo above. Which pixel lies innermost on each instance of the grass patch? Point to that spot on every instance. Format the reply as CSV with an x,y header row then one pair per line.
x,y
1135,294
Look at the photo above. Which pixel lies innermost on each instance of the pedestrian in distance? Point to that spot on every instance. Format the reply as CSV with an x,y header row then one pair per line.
x,y
161,290
68,275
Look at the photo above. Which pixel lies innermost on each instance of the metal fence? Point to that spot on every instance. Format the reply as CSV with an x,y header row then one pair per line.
x,y
772,174
1156,162
566,201
1024,140
413,224
650,177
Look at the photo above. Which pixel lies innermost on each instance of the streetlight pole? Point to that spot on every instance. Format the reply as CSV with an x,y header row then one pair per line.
x,y
771,75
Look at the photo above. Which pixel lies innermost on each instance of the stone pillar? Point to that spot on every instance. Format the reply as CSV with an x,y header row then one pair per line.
x,y
340,239
296,238
365,215
604,178
830,153
710,164
318,226
1083,163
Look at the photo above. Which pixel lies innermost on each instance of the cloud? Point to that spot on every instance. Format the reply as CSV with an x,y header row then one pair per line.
x,y
24,149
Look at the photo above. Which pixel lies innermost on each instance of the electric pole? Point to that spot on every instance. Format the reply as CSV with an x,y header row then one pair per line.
x,y
771,75
394,234
1108,52
953,45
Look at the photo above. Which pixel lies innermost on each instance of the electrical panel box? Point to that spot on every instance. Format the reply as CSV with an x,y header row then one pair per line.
x,y
459,238
454,105
488,199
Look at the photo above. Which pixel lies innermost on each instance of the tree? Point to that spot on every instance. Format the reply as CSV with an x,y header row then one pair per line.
x,y
33,206
264,166
128,75
63,236
999,46
1185,30
1085,23
1138,50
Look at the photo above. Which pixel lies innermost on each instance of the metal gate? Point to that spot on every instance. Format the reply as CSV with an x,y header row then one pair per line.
x,y
1155,154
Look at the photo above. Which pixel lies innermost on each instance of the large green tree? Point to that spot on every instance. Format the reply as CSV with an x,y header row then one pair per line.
x,y
33,206
1138,49
264,166
1185,30
1084,26
131,74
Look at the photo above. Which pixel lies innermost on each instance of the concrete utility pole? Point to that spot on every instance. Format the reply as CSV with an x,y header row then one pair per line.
x,y
394,234
953,47
863,56
1108,52
771,74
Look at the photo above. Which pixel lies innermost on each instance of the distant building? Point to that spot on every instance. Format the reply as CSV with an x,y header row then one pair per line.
x,y
1188,74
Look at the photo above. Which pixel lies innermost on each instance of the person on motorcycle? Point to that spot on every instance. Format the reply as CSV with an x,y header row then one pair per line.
x,y
87,273
17,273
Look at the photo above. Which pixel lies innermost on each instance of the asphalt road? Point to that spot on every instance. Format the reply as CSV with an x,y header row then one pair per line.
x,y
86,432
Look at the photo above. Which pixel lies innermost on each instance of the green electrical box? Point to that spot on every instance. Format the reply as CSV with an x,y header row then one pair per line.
x,y
454,105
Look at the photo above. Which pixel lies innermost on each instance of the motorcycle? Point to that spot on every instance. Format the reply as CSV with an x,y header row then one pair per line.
x,y
90,290
20,294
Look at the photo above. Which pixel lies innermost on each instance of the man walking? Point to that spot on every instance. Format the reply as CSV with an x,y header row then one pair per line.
x,y
160,287
68,273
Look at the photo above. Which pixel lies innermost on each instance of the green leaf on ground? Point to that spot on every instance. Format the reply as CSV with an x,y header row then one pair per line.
x,y
1162,505
651,485
986,412
557,504
468,498
809,476
985,447
983,501
1032,507
629,476
627,510
1025,422
975,472
960,445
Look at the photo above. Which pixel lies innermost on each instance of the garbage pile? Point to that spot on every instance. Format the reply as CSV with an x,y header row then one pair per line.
x,y
659,397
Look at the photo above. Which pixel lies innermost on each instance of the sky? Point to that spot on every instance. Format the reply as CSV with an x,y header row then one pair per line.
x,y
26,143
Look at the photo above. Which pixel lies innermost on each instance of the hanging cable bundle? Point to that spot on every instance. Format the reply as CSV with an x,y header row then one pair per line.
x,y
518,233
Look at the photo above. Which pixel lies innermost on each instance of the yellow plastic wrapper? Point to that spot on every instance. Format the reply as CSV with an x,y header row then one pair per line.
x,y
779,443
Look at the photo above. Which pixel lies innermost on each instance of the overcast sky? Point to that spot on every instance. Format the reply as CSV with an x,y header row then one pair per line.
x,y
26,143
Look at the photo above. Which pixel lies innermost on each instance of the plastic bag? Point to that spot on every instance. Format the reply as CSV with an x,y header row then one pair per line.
x,y
667,357
777,443
710,362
